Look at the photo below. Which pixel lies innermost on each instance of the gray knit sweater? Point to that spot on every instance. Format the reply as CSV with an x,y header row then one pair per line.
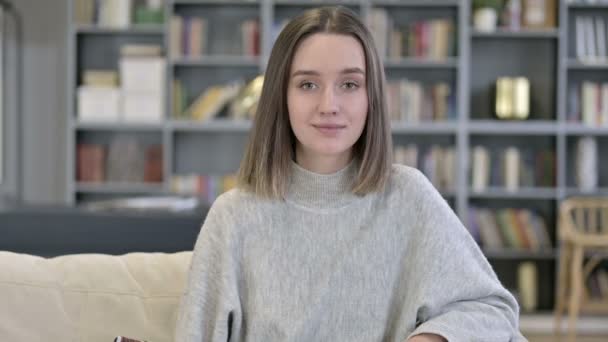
x,y
326,265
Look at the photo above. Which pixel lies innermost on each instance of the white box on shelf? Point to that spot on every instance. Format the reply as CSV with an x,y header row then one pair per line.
x,y
142,74
143,107
115,13
99,104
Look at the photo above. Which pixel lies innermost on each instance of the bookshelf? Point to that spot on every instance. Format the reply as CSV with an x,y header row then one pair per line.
x,y
547,57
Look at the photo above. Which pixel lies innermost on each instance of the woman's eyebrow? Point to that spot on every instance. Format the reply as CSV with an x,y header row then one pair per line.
x,y
355,70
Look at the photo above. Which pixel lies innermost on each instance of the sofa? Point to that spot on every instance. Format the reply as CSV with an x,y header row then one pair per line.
x,y
70,274
90,297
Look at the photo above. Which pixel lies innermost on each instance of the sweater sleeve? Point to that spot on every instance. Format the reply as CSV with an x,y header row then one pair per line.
x,y
209,308
458,294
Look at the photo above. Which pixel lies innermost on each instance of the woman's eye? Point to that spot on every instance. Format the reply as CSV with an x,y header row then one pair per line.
x,y
351,85
307,85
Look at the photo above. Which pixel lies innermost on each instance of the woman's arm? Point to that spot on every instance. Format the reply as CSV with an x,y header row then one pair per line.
x,y
209,310
459,295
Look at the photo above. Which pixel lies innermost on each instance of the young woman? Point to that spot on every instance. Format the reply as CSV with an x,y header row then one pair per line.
x,y
325,239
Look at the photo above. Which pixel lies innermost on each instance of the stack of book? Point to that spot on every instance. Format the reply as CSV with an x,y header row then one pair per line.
x,y
142,74
189,38
436,162
411,101
118,13
512,168
99,97
427,39
512,98
588,103
590,39
234,100
124,160
509,228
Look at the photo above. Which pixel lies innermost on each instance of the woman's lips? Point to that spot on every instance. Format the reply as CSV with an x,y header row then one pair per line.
x,y
329,129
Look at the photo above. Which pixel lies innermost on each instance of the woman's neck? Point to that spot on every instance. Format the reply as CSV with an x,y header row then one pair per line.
x,y
322,164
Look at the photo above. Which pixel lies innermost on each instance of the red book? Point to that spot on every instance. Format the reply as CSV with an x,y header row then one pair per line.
x,y
90,164
153,172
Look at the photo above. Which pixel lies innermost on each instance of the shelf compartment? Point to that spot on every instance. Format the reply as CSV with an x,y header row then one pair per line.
x,y
213,153
540,67
545,282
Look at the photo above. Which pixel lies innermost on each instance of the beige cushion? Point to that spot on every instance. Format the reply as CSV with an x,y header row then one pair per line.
x,y
90,297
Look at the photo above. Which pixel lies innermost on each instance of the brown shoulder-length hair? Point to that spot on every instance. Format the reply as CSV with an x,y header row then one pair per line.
x,y
265,168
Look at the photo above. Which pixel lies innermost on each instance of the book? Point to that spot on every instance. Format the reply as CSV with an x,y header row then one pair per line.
x,y
527,283
581,42
521,98
211,101
100,78
481,169
250,33
512,161
125,161
600,35
153,171
115,13
504,98
140,50
586,171
245,104
539,13
489,230
176,27
84,12
590,96
90,161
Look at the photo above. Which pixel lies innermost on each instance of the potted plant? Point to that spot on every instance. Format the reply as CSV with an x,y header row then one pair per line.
x,y
485,14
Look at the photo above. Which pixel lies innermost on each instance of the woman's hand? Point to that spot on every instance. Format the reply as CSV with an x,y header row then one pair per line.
x,y
427,338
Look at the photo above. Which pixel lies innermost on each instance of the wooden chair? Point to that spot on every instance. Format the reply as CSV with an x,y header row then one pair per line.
x,y
583,233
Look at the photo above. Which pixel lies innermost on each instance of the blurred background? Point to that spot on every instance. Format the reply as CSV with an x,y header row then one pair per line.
x,y
123,120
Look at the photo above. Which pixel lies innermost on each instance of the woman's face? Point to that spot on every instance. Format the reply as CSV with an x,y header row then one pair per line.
x,y
327,97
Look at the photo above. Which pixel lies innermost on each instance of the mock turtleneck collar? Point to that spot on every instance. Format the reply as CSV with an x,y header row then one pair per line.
x,y
322,191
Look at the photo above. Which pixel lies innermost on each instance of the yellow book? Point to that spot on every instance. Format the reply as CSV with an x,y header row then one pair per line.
x,y
521,98
504,98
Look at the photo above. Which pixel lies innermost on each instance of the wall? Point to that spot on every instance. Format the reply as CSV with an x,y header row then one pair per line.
x,y
44,107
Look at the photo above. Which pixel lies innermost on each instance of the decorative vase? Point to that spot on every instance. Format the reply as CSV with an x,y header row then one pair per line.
x,y
484,19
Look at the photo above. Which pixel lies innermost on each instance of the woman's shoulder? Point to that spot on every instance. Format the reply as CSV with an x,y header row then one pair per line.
x,y
233,200
403,176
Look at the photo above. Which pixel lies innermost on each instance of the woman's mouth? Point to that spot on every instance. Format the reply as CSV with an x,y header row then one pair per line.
x,y
329,129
